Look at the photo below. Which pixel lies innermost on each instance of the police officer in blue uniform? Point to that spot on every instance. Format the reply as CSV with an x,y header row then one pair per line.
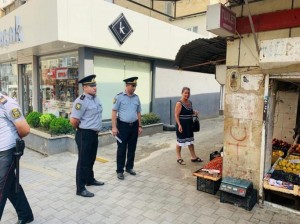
x,y
12,126
126,125
86,117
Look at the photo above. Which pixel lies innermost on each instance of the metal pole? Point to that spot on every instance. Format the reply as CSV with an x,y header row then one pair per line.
x,y
252,26
170,111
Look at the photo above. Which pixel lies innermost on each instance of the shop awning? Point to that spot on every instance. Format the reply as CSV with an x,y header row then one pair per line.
x,y
202,55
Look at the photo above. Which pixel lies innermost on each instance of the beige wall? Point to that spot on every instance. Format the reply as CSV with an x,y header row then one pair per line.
x,y
286,105
243,126
183,8
191,7
158,5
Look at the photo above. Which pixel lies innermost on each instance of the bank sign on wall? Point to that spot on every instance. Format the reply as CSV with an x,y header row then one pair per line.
x,y
12,34
279,52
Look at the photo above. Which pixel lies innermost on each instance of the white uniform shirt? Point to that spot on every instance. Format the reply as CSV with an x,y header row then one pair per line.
x,y
127,107
10,112
88,110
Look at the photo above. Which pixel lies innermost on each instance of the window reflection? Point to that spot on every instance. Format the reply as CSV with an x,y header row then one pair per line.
x,y
59,83
27,88
9,79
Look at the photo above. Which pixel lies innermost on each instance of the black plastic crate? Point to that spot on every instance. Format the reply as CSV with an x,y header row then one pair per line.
x,y
208,186
247,202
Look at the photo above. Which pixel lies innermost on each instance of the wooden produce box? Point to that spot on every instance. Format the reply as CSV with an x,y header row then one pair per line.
x,y
295,191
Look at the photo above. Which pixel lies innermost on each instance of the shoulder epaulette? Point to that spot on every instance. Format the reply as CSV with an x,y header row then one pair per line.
x,y
3,100
119,93
82,97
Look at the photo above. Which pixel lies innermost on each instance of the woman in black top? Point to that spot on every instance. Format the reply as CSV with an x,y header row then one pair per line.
x,y
184,120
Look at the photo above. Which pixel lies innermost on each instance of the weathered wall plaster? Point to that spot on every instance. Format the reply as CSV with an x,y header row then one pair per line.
x,y
243,128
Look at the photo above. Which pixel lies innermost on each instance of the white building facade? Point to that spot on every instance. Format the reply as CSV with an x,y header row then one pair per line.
x,y
47,46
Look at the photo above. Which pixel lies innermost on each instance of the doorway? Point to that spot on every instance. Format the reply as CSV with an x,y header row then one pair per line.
x,y
26,74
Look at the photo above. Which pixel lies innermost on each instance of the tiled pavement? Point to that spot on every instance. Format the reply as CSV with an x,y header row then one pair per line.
x,y
162,192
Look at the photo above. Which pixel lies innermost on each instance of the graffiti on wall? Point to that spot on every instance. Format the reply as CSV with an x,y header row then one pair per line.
x,y
285,51
238,134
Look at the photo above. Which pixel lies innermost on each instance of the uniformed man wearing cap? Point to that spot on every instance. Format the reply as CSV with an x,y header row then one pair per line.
x,y
86,117
126,125
12,126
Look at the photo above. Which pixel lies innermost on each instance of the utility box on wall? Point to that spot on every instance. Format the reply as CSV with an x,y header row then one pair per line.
x,y
220,20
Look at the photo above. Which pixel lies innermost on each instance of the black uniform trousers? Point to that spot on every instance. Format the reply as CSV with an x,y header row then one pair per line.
x,y
8,190
87,143
128,133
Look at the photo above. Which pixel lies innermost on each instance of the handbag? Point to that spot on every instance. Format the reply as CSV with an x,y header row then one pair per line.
x,y
196,124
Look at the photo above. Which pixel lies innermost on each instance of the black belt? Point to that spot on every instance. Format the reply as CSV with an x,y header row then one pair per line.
x,y
6,152
81,129
128,123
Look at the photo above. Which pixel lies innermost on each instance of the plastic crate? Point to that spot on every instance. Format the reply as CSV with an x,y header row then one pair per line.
x,y
247,202
208,186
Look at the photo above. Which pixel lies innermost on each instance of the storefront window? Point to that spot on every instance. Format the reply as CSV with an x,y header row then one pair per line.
x,y
9,79
115,70
59,83
26,73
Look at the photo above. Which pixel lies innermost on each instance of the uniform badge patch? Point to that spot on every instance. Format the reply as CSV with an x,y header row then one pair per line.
x,y
114,100
78,106
3,100
16,113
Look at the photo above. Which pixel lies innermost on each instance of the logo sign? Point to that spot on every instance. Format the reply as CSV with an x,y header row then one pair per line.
x,y
220,20
121,28
11,35
228,19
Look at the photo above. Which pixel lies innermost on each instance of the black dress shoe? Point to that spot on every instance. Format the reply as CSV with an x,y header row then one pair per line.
x,y
96,183
25,221
120,176
85,193
131,171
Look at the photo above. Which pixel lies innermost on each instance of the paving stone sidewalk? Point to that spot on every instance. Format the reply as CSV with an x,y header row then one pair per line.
x,y
162,192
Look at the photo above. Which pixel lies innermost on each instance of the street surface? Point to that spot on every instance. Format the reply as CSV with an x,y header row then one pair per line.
x,y
162,191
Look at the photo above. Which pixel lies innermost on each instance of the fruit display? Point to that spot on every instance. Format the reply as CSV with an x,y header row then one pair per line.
x,y
287,170
286,177
288,166
280,145
295,149
214,165
293,157
277,153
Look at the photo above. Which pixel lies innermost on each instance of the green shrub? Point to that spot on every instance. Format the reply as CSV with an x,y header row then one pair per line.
x,y
33,119
60,125
150,118
46,119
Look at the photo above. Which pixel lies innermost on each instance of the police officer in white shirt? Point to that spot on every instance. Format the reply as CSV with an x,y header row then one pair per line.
x,y
12,126
126,125
86,117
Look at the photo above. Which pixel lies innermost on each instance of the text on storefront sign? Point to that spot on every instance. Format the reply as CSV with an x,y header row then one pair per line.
x,y
11,35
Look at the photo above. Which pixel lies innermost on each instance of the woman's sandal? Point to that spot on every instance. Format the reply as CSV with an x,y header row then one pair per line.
x,y
180,161
197,160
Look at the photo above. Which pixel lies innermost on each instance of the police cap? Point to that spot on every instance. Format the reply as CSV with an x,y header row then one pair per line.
x,y
88,80
132,80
